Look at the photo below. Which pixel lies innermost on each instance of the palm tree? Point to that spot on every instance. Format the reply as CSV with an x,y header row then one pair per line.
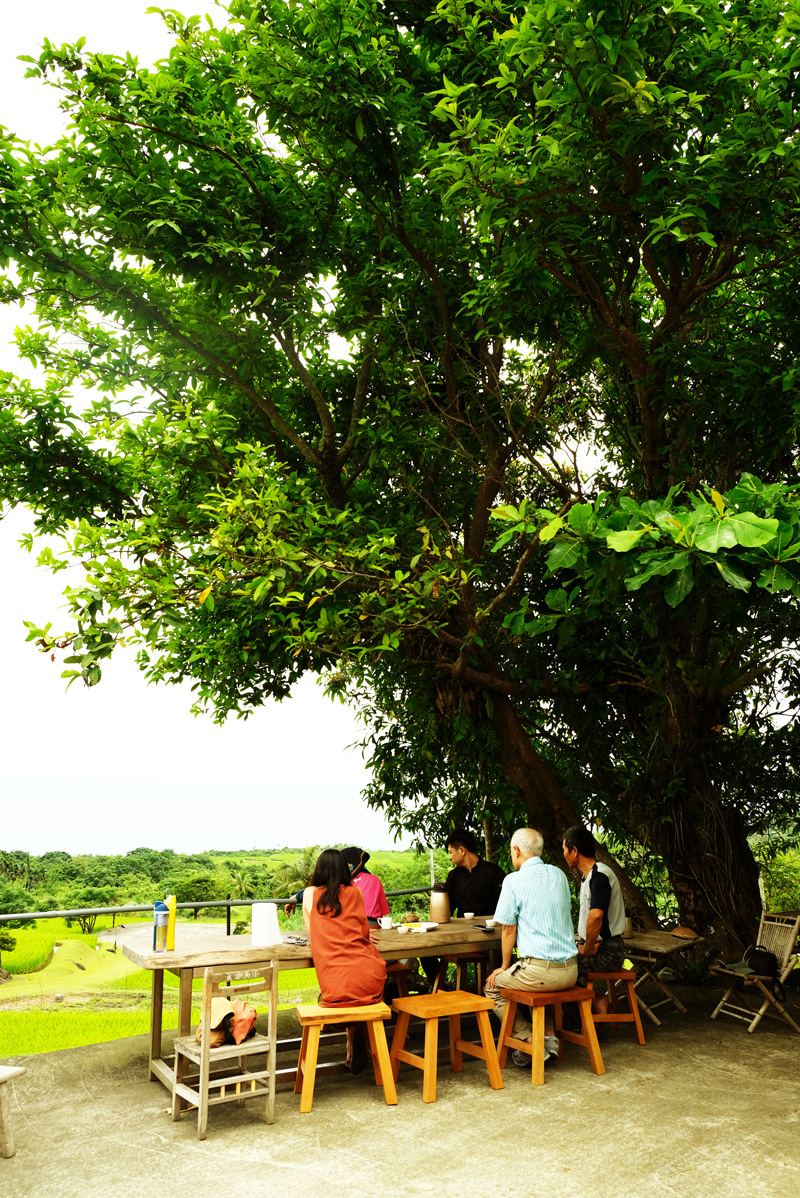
x,y
291,876
244,885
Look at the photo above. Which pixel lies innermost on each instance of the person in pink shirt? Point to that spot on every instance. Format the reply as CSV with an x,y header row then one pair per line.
x,y
370,886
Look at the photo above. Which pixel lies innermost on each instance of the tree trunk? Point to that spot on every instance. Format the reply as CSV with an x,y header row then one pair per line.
x,y
712,870
546,804
488,837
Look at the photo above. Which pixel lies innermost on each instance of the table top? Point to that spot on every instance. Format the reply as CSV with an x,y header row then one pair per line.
x,y
196,948
658,943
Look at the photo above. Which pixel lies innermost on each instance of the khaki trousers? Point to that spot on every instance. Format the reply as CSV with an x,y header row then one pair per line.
x,y
530,973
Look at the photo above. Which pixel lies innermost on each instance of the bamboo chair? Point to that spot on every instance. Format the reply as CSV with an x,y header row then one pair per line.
x,y
778,934
236,1083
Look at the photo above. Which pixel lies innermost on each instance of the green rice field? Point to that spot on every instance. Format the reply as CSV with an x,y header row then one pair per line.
x,y
84,993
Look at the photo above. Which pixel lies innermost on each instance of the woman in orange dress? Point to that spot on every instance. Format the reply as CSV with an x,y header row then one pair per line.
x,y
350,970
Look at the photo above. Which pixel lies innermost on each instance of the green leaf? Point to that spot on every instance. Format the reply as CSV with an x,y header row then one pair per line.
x,y
681,586
715,535
654,568
563,555
580,518
775,578
625,540
733,575
549,531
751,531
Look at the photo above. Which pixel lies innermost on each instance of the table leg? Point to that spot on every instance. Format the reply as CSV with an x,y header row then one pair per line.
x,y
156,1013
185,1002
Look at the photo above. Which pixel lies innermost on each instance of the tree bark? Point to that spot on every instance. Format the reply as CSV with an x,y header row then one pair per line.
x,y
546,803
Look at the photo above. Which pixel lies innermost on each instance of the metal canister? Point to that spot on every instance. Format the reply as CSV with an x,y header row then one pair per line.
x,y
160,925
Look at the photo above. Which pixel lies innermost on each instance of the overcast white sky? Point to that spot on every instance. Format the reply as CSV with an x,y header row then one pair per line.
x,y
125,764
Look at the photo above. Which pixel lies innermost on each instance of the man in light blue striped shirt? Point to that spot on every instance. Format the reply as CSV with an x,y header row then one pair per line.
x,y
534,909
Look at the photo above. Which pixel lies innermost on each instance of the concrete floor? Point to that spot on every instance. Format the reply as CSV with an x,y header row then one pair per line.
x,y
704,1109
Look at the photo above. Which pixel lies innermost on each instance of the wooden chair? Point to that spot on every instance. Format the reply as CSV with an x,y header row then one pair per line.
x,y
312,1020
537,1000
7,1074
236,1083
778,934
615,1015
432,1007
461,962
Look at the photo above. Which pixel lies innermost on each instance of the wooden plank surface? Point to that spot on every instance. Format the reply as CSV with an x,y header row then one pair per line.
x,y
198,948
658,944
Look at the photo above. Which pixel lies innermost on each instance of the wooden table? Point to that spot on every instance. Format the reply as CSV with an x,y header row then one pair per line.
x,y
651,950
197,948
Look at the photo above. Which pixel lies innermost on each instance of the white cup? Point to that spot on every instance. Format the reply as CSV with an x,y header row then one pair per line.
x,y
385,921
490,923
469,914
401,928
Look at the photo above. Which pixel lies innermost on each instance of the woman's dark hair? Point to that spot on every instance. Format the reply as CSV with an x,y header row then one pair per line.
x,y
331,871
580,838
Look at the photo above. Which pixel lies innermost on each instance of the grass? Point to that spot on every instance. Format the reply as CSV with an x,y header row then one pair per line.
x,y
24,1033
85,993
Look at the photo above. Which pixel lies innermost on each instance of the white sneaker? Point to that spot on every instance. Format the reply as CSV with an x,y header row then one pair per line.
x,y
551,1045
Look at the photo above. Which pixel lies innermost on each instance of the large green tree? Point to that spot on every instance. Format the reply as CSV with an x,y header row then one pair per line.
x,y
450,348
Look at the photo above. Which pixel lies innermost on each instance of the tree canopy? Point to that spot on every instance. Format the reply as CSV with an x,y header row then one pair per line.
x,y
449,350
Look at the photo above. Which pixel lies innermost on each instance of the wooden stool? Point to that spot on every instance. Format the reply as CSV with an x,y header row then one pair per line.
x,y
7,1074
432,1007
615,1015
461,961
537,1000
312,1020
399,973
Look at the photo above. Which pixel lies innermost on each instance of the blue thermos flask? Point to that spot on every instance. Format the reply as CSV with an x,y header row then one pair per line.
x,y
160,924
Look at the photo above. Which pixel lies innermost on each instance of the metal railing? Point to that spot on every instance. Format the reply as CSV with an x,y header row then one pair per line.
x,y
140,907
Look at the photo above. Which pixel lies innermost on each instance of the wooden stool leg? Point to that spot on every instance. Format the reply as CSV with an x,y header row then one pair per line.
x,y
456,1059
373,1048
310,1069
589,1032
480,976
537,1046
431,1053
487,1040
506,1027
380,1061
180,1070
398,1041
637,1019
298,1077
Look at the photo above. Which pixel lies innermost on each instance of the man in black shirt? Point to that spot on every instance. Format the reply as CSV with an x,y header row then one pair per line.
x,y
473,884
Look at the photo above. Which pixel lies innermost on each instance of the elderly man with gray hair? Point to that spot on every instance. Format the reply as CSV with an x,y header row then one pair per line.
x,y
534,910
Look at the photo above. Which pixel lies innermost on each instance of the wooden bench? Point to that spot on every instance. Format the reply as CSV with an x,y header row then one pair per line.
x,y
628,978
432,1007
7,1074
537,1000
312,1020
